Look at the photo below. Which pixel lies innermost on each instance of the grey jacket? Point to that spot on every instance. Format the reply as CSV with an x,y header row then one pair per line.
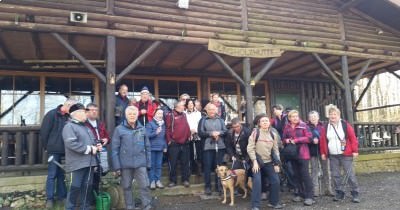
x,y
130,147
77,137
206,127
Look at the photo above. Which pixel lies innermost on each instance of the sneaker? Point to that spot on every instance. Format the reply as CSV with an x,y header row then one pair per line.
x,y
338,196
308,202
159,184
263,196
186,184
153,185
207,191
171,184
277,206
296,199
49,204
356,198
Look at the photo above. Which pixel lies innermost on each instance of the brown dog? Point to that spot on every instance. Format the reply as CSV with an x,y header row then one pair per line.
x,y
231,179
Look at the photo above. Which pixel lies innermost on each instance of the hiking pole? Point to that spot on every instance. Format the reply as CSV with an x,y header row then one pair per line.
x,y
346,177
51,160
87,182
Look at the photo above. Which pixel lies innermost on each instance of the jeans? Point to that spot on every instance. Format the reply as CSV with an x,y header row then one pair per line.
x,y
81,187
156,165
302,178
337,163
140,175
210,160
273,179
55,180
181,152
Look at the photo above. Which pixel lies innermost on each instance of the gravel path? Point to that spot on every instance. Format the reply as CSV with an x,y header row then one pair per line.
x,y
378,191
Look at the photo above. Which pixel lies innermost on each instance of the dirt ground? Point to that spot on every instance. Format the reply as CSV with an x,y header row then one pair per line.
x,y
377,191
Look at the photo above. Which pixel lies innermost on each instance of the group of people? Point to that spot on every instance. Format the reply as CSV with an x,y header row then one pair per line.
x,y
147,131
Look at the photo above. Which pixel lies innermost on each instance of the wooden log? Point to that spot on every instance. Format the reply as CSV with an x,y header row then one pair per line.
x,y
228,68
177,11
264,70
295,6
258,14
364,91
32,145
88,65
174,18
110,84
372,35
4,148
367,63
292,25
138,60
18,148
270,17
328,70
57,5
301,4
248,91
347,90
172,4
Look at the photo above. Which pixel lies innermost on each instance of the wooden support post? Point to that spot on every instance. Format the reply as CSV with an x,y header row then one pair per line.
x,y
347,90
394,73
365,67
88,65
365,90
138,60
264,70
248,91
229,69
328,70
110,84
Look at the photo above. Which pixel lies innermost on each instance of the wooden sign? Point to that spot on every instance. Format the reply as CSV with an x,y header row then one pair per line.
x,y
253,52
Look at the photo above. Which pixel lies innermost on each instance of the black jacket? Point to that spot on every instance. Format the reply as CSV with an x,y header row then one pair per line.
x,y
243,140
51,131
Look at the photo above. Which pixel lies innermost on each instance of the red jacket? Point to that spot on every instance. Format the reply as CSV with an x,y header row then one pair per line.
x,y
177,128
101,129
151,107
302,137
351,142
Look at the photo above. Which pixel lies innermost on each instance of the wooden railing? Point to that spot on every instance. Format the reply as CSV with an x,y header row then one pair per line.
x,y
21,149
377,135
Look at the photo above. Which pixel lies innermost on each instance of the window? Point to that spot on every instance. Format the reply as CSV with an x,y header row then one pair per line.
x,y
170,90
229,94
58,89
20,100
259,99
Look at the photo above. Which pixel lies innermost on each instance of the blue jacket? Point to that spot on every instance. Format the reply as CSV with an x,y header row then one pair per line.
x,y
130,147
157,141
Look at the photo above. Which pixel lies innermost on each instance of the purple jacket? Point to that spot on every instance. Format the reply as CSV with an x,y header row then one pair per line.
x,y
302,137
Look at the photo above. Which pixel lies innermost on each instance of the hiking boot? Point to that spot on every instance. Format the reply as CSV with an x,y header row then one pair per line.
x,y
186,184
153,185
356,198
308,202
159,184
207,191
338,196
264,196
49,204
171,184
277,206
296,199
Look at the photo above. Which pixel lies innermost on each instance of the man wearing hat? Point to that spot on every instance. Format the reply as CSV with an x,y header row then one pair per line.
x,y
146,107
52,141
80,150
121,102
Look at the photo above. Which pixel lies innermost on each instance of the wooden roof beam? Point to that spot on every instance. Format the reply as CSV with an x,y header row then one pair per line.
x,y
349,4
5,50
165,55
138,60
294,59
88,65
228,68
190,59
328,70
359,75
364,91
37,45
264,70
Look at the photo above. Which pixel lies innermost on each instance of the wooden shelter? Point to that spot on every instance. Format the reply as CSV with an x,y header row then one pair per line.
x,y
309,52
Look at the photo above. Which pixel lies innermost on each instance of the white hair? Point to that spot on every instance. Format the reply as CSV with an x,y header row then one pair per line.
x,y
131,109
313,112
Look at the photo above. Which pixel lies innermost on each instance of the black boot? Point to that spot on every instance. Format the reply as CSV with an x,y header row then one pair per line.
x,y
356,198
339,195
